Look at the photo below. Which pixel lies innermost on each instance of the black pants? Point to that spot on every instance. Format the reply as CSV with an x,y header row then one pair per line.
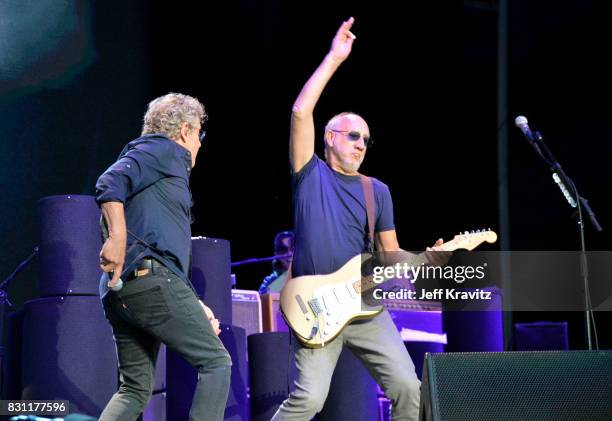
x,y
156,308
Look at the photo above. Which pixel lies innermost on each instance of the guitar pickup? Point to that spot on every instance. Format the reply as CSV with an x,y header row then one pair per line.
x,y
315,306
300,302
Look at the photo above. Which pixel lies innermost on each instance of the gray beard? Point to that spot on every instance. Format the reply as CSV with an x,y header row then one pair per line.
x,y
350,166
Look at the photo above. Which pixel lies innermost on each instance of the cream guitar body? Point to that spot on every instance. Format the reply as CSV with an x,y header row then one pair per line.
x,y
318,307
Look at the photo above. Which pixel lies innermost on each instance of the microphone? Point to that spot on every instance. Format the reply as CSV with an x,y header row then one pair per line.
x,y
522,123
118,286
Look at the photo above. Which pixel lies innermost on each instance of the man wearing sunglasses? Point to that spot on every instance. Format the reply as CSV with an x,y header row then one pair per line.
x,y
330,228
148,297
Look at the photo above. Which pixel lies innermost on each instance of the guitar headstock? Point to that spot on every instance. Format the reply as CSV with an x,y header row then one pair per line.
x,y
470,240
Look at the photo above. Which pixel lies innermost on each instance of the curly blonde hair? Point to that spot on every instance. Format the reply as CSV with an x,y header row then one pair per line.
x,y
167,113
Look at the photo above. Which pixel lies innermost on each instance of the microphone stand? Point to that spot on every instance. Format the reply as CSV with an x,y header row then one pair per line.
x,y
262,259
3,295
570,192
4,298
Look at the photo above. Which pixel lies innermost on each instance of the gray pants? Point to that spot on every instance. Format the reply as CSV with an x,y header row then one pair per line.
x,y
378,345
161,308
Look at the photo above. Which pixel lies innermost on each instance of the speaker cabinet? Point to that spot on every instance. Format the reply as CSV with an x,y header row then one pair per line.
x,y
11,386
271,372
246,310
273,320
477,326
181,379
353,394
384,409
541,336
547,385
211,275
420,326
160,370
69,245
156,408
68,353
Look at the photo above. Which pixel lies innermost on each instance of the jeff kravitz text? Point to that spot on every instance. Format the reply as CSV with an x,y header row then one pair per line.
x,y
434,294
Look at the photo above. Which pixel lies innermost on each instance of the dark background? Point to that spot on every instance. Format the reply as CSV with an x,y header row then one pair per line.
x,y
75,78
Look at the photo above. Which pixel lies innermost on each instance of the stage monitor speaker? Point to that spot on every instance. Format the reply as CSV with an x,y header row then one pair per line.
x,y
246,310
211,277
69,353
69,245
546,385
182,378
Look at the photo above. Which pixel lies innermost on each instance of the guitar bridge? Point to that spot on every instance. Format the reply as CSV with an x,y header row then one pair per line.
x,y
315,305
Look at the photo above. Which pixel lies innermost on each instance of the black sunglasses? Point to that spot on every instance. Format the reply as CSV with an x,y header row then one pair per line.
x,y
202,135
354,136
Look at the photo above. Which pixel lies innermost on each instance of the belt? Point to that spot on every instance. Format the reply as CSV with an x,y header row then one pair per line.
x,y
144,267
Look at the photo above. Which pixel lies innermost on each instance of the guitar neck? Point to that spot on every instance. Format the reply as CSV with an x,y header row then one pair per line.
x,y
404,258
467,241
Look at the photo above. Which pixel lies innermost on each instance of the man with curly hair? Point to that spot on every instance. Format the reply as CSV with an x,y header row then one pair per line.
x,y
146,289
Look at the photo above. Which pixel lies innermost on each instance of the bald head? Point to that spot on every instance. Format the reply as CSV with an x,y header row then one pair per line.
x,y
345,121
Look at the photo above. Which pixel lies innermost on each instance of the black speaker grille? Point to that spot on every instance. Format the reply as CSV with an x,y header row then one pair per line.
x,y
522,386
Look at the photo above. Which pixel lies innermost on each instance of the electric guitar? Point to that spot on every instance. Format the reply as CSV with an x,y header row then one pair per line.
x,y
318,307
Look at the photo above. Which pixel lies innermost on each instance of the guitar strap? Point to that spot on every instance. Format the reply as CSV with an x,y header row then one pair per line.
x,y
368,193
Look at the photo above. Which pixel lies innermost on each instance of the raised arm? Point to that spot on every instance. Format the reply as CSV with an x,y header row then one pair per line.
x,y
302,137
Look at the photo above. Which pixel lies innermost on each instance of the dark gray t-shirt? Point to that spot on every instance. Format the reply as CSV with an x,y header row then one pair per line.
x,y
329,217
